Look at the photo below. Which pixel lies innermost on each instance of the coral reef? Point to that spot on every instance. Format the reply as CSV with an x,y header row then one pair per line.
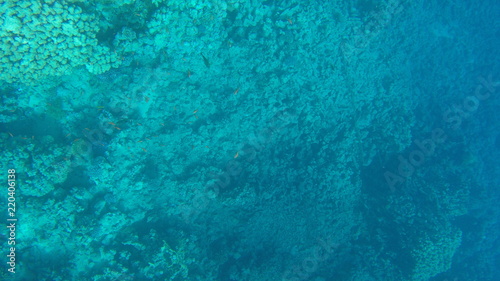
x,y
246,140
49,38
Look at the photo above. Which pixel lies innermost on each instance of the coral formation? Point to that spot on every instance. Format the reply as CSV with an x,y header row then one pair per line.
x,y
49,38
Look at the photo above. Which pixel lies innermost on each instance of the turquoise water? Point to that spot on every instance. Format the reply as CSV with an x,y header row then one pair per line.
x,y
250,140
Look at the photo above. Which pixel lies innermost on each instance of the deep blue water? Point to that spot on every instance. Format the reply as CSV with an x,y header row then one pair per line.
x,y
250,140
